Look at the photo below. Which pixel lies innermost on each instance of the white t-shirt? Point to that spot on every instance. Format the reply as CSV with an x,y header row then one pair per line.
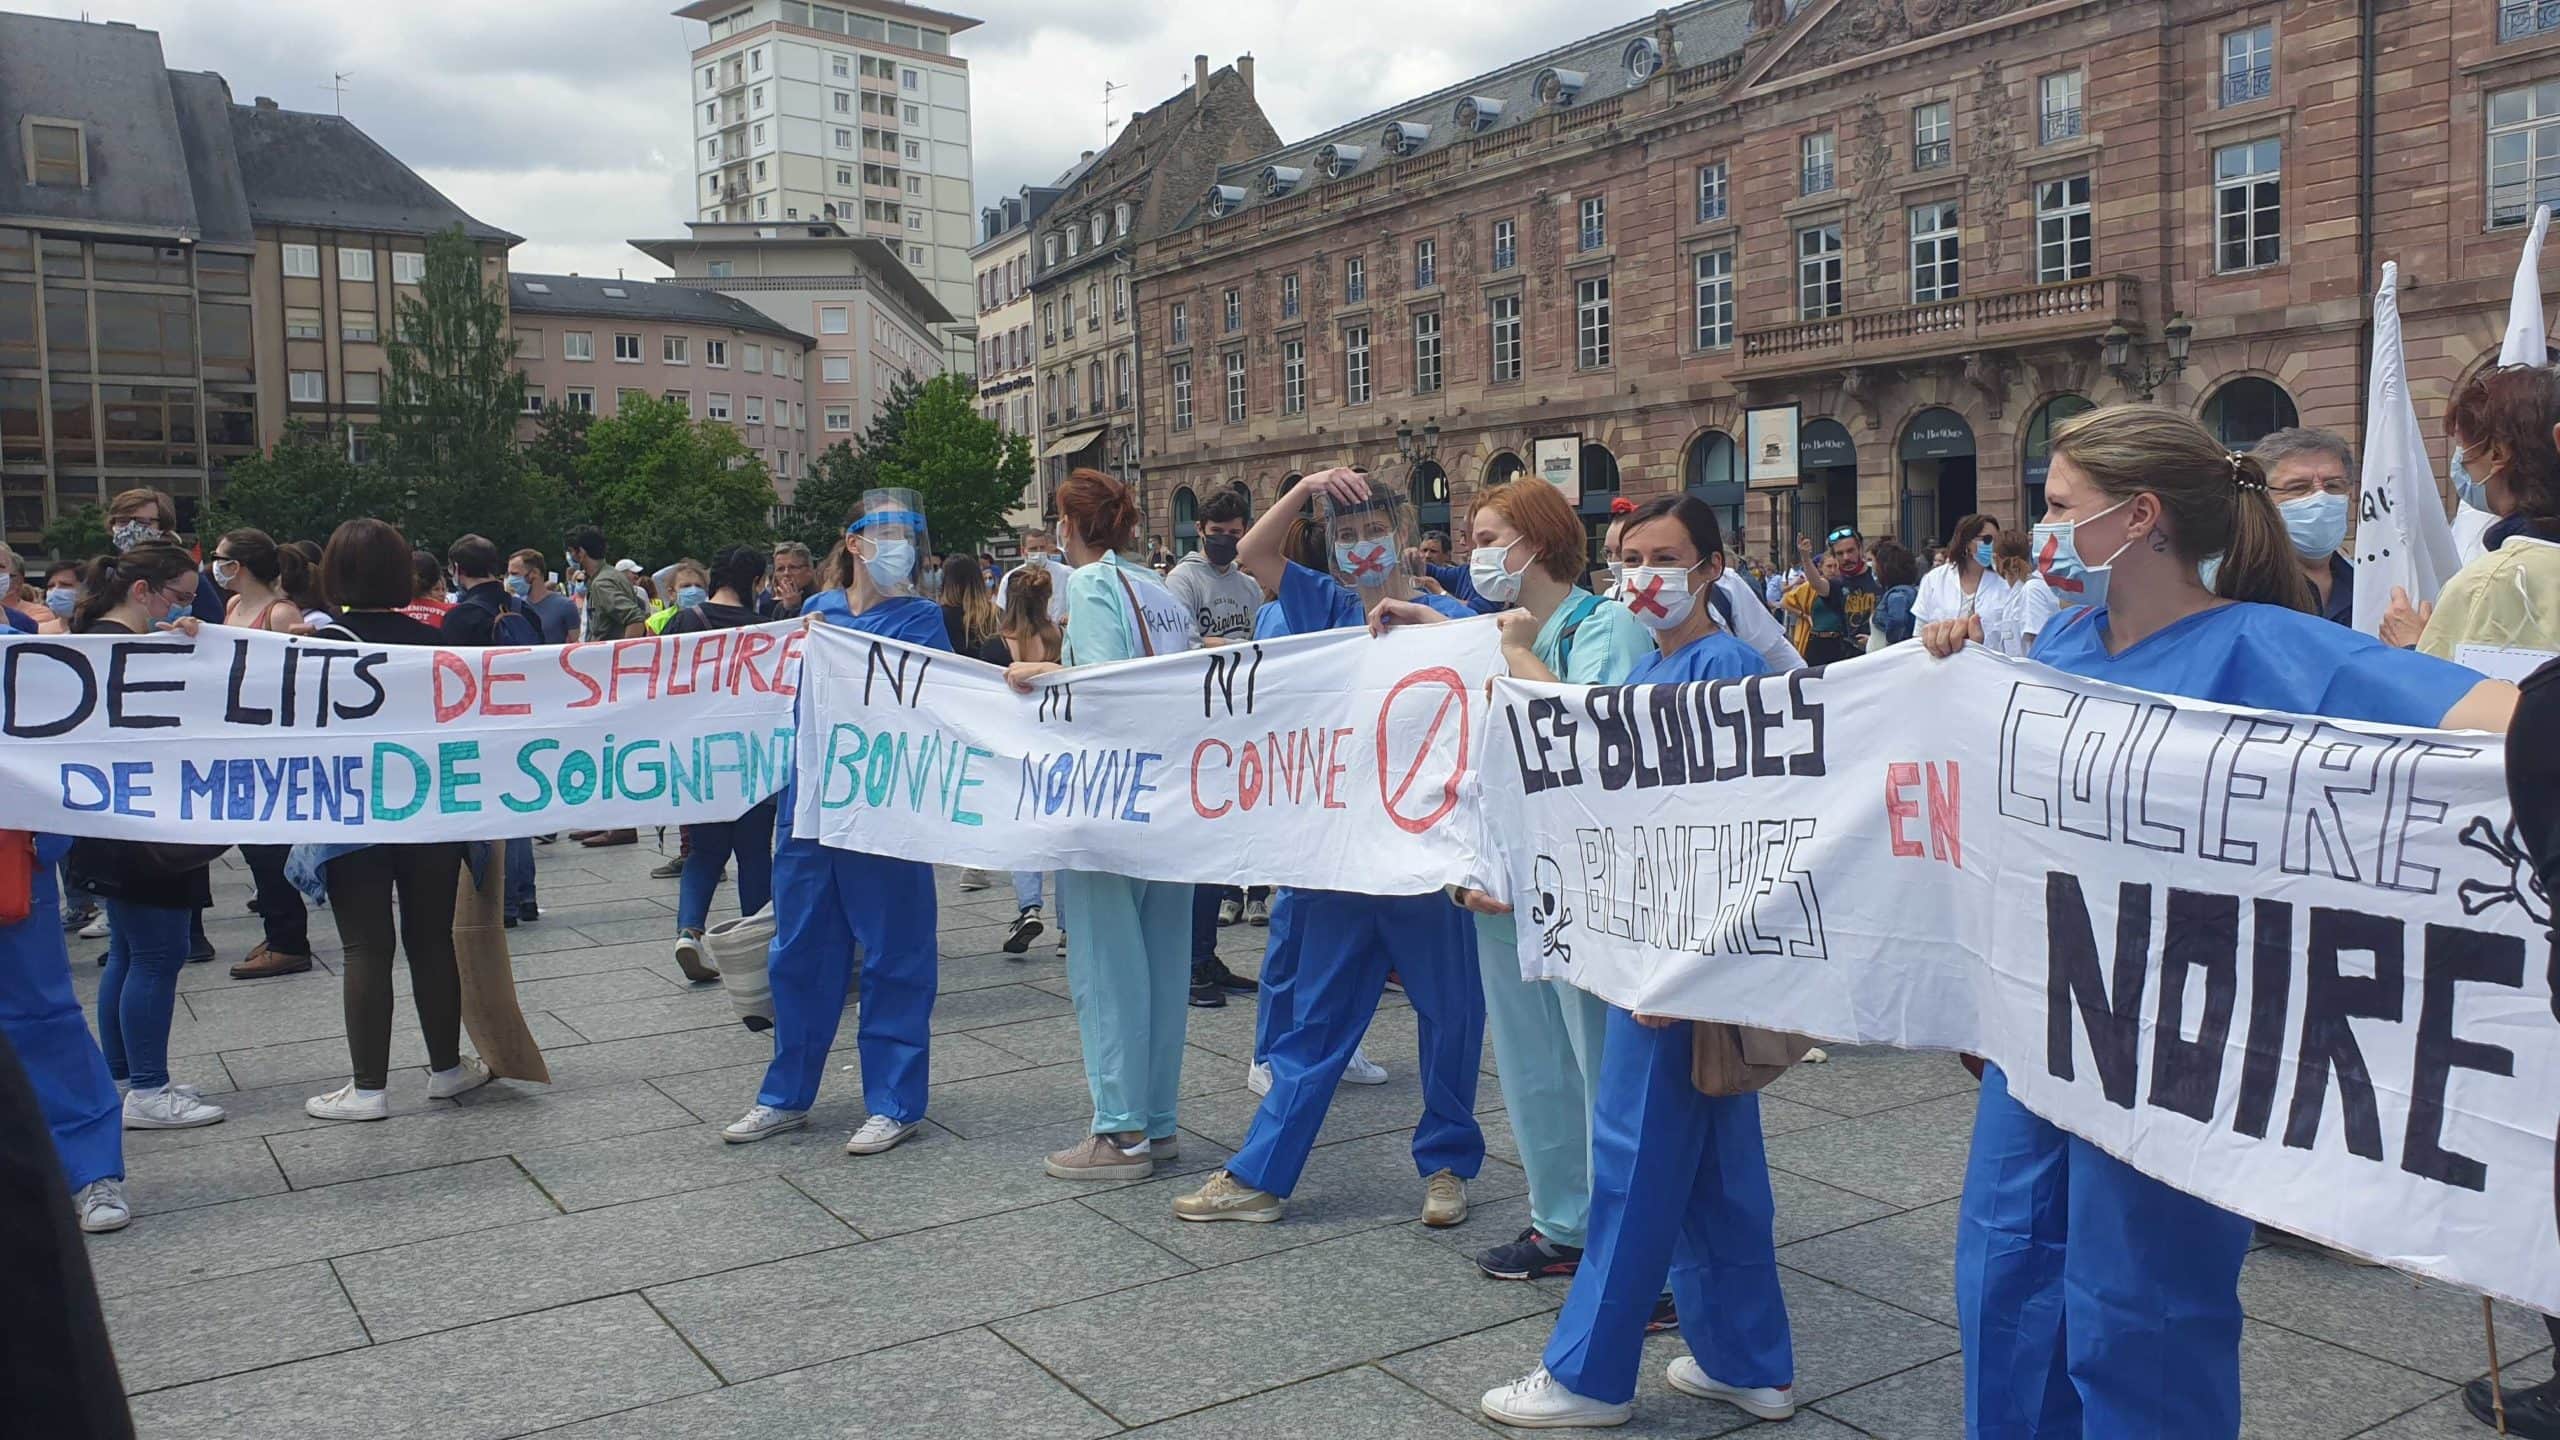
x,y
2031,609
1059,570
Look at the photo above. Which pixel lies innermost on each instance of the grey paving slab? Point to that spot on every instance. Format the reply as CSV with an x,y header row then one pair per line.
x,y
1863,1079
619,1169
1808,1207
311,1062
943,1179
617,1062
2390,1316
504,1378
1227,1115
1362,1403
720,1094
196,1332
495,1120
2443,1418
1925,1402
968,1383
697,1008
557,1259
269,1110
2318,1391
1281,1318
1907,1259
770,1318
165,1180
1785,1117
1049,1096
997,1005
275,1230
1364,1184
1458,1372
1908,1157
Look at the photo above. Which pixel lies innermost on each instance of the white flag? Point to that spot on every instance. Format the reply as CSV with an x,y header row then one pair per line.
x,y
2402,538
2526,344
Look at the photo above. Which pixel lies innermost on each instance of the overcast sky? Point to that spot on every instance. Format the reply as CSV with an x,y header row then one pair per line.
x,y
565,121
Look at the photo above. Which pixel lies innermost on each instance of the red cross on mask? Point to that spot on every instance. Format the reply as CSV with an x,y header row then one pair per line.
x,y
1648,596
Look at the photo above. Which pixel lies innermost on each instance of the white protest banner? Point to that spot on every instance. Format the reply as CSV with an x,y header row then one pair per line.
x,y
1332,761
2403,539
2298,967
241,736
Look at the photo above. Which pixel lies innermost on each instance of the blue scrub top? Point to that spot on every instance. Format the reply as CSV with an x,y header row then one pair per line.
x,y
1460,582
1311,600
2265,657
1717,657
1270,622
18,624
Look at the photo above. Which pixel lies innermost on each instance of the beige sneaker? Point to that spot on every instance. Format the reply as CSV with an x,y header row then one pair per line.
x,y
1104,1157
1166,1147
1223,1199
1444,1199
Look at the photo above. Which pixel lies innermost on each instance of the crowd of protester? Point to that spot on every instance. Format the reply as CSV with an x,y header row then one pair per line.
x,y
2092,1298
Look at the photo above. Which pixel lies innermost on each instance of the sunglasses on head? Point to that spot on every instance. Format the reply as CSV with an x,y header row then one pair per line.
x,y
1836,536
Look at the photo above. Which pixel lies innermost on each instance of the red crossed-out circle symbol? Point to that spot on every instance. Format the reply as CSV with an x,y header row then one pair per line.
x,y
1443,689
1648,596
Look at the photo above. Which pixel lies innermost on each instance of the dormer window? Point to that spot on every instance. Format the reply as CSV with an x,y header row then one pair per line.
x,y
1225,200
1101,228
1338,160
1403,137
1120,218
1644,59
1557,88
1279,180
1477,112
57,153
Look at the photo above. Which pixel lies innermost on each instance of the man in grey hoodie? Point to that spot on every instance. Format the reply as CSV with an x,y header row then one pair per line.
x,y
1224,600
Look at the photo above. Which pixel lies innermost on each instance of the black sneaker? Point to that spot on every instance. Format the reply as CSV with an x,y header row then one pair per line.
x,y
1215,971
1026,928
528,912
201,954
1205,992
509,922
1666,1316
2533,1411
1531,1257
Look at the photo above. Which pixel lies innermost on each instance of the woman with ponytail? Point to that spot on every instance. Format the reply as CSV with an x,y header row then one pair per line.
x,y
2091,1298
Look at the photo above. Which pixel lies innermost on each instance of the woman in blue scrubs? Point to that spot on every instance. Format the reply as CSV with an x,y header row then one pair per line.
x,y
40,1015
1679,1181
828,902
2091,1298
1345,944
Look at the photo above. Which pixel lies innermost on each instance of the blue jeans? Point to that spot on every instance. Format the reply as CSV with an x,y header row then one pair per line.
x,y
146,948
520,877
1026,889
750,837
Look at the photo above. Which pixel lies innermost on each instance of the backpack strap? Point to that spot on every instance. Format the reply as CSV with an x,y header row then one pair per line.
x,y
1584,604
1137,612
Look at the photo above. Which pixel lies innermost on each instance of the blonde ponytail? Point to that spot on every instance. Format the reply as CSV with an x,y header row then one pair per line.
x,y
2216,502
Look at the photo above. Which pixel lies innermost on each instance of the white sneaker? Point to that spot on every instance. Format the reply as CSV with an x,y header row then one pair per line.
x,y
1536,1401
1817,1056
877,1134
349,1103
1364,1071
463,1078
1257,1077
976,880
760,1121
171,1107
95,929
102,1206
1769,1402
1230,912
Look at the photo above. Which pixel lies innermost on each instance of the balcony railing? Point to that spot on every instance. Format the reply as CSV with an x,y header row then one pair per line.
x,y
2239,87
2517,22
1819,178
1933,154
2062,124
2073,309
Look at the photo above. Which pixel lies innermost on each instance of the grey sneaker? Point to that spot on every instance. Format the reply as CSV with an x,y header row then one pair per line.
x,y
761,1121
1225,1199
102,1206
1105,1157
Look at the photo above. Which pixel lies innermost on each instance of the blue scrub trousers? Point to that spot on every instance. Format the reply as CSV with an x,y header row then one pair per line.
x,y
1129,972
2091,1298
1680,1184
750,838
146,948
829,902
519,893
40,1015
1345,946
1277,999
1548,1038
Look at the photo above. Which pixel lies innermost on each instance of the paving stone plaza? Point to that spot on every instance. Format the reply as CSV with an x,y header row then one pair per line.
x,y
588,1260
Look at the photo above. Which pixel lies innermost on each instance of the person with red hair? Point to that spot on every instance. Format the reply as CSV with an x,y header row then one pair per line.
x,y
2505,428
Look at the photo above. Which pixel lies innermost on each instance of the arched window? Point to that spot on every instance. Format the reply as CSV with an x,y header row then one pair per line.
x,y
1186,521
1502,469
1713,473
2037,450
2248,410
1430,496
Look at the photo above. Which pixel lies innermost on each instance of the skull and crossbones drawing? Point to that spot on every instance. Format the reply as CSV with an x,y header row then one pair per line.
x,y
1547,910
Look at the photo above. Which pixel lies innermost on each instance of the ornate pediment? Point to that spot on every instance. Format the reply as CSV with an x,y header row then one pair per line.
x,y
1855,28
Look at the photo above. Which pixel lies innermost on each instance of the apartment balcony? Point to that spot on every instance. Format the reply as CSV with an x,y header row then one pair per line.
x,y
2071,310
2519,21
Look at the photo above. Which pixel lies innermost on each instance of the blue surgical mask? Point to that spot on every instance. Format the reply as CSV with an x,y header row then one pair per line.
x,y
578,589
1366,563
519,587
2207,572
690,597
2317,522
60,599
892,564
2073,579
180,607
2471,492
1982,553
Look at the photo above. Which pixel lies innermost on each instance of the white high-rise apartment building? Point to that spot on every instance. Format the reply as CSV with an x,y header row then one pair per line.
x,y
857,113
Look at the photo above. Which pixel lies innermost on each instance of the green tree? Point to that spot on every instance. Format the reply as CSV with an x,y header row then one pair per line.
x,y
77,534
959,462
664,485
449,410
302,490
840,474
558,442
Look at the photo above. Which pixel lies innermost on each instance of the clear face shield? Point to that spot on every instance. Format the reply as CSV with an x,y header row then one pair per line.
x,y
1368,539
887,541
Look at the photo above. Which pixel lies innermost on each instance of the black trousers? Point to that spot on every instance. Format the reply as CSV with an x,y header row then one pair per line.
x,y
57,1371
279,904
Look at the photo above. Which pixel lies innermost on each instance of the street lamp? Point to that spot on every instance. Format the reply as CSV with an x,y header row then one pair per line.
x,y
2117,346
1423,447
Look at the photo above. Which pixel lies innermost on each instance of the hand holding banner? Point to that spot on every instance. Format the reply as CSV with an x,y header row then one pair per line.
x,y
2298,967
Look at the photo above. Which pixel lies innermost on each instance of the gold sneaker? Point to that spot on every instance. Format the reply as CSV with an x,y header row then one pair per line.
x,y
1444,1199
1223,1199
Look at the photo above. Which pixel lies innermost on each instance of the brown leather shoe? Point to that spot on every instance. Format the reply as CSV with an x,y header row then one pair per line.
x,y
603,838
263,962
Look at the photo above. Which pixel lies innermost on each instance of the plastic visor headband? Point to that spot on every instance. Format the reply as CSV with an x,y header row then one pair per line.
x,y
908,518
